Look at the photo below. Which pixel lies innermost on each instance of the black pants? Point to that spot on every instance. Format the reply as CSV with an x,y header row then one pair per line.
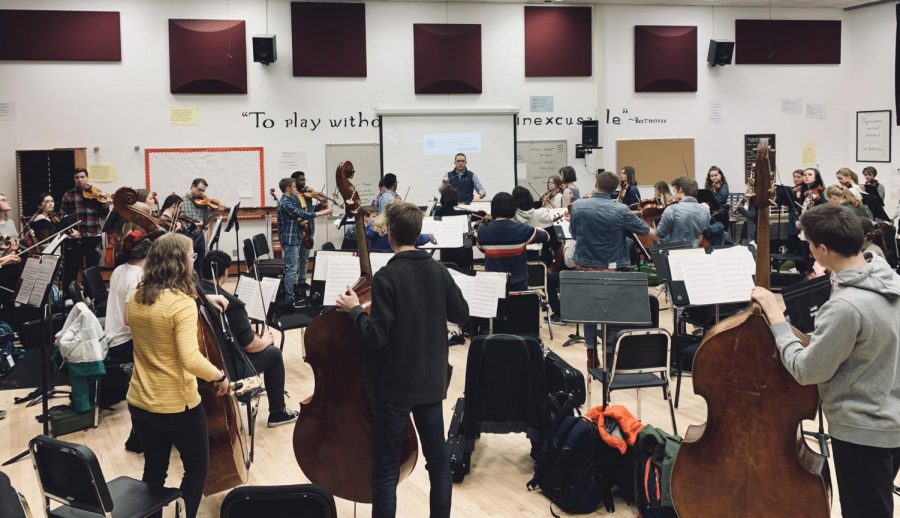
x,y
122,353
270,362
865,476
86,249
390,424
188,433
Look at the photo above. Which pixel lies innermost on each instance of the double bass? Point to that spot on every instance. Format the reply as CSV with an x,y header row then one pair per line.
x,y
749,459
333,436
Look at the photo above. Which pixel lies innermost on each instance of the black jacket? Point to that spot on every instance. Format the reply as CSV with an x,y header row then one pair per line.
x,y
413,297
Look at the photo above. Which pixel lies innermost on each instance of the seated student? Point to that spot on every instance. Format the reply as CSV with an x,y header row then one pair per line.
x,y
854,359
685,220
461,257
503,241
263,354
525,211
389,194
844,197
376,234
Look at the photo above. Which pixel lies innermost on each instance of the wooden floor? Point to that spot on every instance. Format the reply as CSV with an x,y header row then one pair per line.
x,y
500,466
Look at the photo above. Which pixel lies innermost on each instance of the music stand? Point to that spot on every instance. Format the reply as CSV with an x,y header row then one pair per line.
x,y
235,224
34,290
604,298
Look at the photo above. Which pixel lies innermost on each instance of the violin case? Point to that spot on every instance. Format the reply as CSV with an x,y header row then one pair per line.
x,y
562,377
460,448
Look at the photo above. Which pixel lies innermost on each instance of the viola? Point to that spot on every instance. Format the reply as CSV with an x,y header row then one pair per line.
x,y
93,193
333,437
751,437
205,201
321,197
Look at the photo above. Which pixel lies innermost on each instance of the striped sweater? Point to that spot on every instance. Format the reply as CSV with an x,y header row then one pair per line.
x,y
167,358
503,243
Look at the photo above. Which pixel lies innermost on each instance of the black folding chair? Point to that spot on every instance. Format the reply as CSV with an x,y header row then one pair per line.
x,y
70,474
96,289
307,500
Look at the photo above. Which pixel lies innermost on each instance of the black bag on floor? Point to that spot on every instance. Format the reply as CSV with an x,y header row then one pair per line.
x,y
114,384
278,502
563,377
460,448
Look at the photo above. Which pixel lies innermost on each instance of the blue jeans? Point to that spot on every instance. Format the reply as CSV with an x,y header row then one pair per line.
x,y
390,425
290,253
302,265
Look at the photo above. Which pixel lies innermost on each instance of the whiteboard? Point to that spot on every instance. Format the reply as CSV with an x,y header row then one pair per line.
x,y
366,159
234,174
538,160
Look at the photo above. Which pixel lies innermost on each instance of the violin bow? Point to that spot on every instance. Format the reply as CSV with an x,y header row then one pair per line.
x,y
48,238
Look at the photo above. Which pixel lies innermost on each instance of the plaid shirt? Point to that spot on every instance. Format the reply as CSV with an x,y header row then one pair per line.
x,y
192,210
289,214
90,212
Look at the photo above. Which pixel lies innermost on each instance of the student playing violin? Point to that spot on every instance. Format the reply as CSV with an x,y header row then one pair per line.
x,y
86,238
194,208
628,191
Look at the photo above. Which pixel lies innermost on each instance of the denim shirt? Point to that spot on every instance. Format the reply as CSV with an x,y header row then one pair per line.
x,y
683,221
599,226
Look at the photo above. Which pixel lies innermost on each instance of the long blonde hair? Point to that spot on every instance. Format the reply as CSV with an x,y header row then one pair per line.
x,y
844,193
168,267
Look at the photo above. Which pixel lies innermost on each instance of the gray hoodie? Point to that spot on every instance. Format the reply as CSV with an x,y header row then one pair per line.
x,y
854,355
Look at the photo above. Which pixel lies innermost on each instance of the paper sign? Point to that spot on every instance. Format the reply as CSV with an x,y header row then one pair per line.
x,y
102,172
7,112
715,111
184,116
816,111
792,106
808,154
541,103
293,160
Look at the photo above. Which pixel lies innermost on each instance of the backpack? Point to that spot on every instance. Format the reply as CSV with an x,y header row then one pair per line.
x,y
654,453
571,474
561,405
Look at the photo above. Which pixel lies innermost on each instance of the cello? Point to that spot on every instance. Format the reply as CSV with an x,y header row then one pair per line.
x,y
229,441
749,459
333,436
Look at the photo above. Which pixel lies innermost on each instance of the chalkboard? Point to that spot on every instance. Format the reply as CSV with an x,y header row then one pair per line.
x,y
233,174
750,144
538,160
366,159
656,159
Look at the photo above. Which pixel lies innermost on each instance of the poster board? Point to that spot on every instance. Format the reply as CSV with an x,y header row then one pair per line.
x,y
366,159
873,136
538,160
234,174
656,160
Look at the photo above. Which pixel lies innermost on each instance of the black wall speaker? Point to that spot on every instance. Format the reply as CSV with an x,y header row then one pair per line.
x,y
720,52
264,49
589,133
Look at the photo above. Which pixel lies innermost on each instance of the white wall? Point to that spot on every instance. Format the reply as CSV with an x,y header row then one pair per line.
x,y
119,105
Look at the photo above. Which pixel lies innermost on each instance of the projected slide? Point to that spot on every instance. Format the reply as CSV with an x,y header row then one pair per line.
x,y
419,149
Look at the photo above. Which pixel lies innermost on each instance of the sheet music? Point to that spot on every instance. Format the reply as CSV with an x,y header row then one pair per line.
x,y
564,225
475,206
36,278
257,296
448,231
343,271
53,247
722,277
679,257
379,260
320,269
481,291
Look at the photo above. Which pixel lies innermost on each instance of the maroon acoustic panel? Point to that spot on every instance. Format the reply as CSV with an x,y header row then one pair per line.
x,y
557,41
787,42
447,58
60,36
665,58
328,39
207,57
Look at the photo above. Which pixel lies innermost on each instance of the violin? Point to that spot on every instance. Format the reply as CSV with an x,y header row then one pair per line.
x,y
321,197
623,190
813,194
205,201
93,193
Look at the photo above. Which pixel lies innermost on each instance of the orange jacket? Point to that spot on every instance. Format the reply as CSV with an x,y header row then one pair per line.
x,y
628,424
